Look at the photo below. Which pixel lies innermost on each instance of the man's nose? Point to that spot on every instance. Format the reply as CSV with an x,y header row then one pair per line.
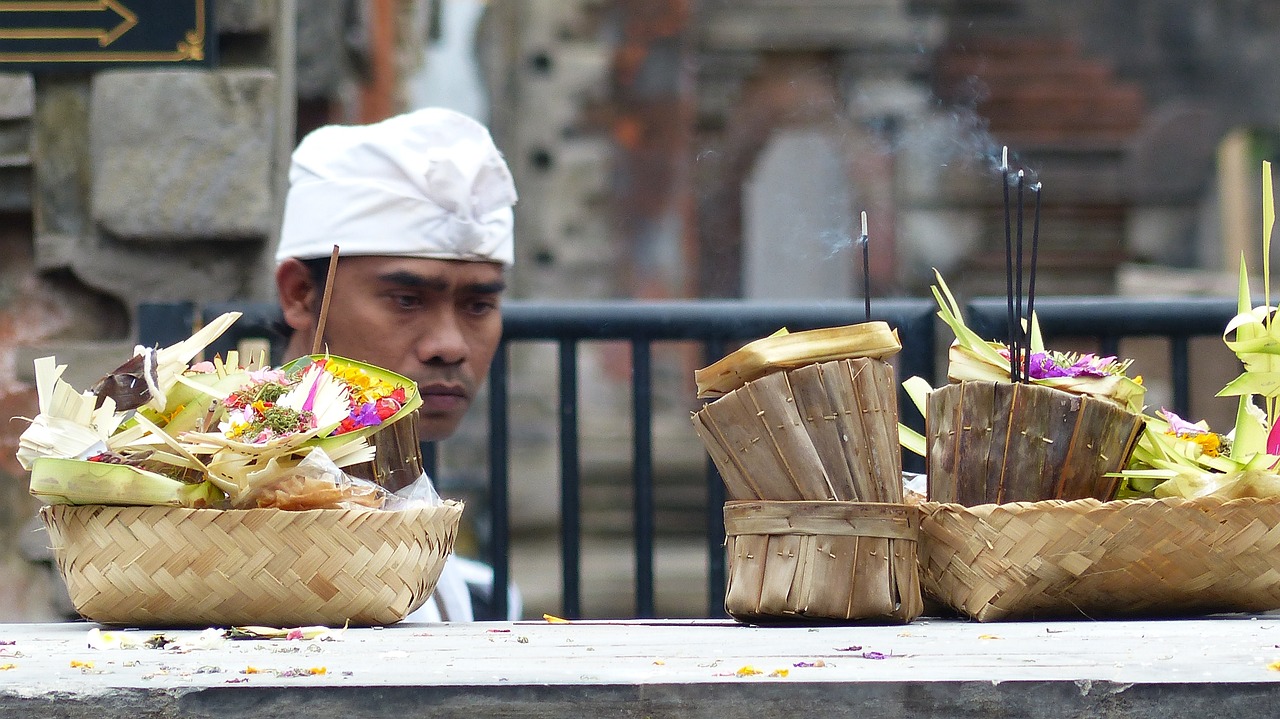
x,y
442,340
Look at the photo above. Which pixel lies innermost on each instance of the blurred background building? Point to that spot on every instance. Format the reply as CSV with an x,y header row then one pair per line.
x,y
662,149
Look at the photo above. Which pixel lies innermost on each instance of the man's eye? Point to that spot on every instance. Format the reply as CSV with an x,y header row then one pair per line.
x,y
406,301
482,307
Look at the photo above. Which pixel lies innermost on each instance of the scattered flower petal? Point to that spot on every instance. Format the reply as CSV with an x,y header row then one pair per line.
x,y
747,671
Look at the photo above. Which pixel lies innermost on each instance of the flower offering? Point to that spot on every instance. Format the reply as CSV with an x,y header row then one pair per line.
x,y
160,430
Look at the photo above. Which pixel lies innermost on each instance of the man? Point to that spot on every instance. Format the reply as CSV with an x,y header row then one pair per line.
x,y
420,208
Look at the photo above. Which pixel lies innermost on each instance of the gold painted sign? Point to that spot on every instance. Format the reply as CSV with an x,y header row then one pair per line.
x,y
87,34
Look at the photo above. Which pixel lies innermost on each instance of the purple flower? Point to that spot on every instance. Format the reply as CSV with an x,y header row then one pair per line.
x,y
1091,365
366,415
1042,366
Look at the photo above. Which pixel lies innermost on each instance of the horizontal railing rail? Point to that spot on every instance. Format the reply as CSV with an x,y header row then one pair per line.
x,y
1110,319
718,326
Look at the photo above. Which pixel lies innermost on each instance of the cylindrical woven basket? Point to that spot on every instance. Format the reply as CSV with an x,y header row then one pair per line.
x,y
822,560
825,430
166,566
1085,558
998,442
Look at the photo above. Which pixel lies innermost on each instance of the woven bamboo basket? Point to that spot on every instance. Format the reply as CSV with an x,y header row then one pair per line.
x,y
822,560
165,566
825,430
998,442
1085,558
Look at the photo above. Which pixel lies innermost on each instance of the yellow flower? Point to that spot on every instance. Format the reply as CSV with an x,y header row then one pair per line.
x,y
364,388
1209,442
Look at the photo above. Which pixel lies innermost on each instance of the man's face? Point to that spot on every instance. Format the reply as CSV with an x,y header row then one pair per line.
x,y
437,322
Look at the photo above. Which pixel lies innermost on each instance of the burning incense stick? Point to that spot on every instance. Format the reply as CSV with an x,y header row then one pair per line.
x,y
1008,263
324,303
1031,283
1020,328
864,240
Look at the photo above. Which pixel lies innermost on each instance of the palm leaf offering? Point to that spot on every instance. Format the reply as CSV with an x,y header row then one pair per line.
x,y
785,350
1183,459
1058,432
162,430
1017,421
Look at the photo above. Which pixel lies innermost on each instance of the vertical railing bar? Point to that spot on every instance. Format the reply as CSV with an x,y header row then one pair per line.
x,y
1180,370
431,460
642,470
1110,344
570,482
716,575
499,476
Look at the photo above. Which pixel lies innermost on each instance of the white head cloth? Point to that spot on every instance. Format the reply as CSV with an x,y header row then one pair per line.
x,y
428,183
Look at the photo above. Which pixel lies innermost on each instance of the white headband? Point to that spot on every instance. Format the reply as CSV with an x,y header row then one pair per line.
x,y
428,183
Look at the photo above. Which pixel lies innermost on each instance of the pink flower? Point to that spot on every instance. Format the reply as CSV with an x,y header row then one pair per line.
x,y
1178,425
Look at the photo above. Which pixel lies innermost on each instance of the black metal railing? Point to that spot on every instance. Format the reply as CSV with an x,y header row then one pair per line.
x,y
718,326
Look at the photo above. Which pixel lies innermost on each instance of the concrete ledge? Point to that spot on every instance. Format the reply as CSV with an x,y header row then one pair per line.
x,y
1216,667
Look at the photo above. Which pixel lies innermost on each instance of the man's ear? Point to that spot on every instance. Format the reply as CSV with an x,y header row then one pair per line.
x,y
299,298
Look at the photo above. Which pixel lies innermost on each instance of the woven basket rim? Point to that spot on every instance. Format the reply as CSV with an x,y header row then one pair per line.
x,y
815,502
1091,505
292,512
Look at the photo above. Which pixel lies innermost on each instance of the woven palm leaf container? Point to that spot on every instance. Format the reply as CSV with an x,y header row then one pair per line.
x,y
166,566
1092,559
995,442
823,431
822,560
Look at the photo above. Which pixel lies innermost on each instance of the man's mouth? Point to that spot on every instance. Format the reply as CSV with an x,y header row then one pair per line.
x,y
438,398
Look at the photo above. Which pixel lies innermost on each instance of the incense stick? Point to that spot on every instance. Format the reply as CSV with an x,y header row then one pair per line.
x,y
324,303
1008,263
1035,252
1021,328
864,240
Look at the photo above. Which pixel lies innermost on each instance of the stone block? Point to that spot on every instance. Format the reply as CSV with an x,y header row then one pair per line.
x,y
245,16
17,96
329,33
60,164
183,155
15,188
86,361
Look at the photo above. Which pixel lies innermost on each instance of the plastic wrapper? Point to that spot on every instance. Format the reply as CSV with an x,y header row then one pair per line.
x,y
422,492
314,483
